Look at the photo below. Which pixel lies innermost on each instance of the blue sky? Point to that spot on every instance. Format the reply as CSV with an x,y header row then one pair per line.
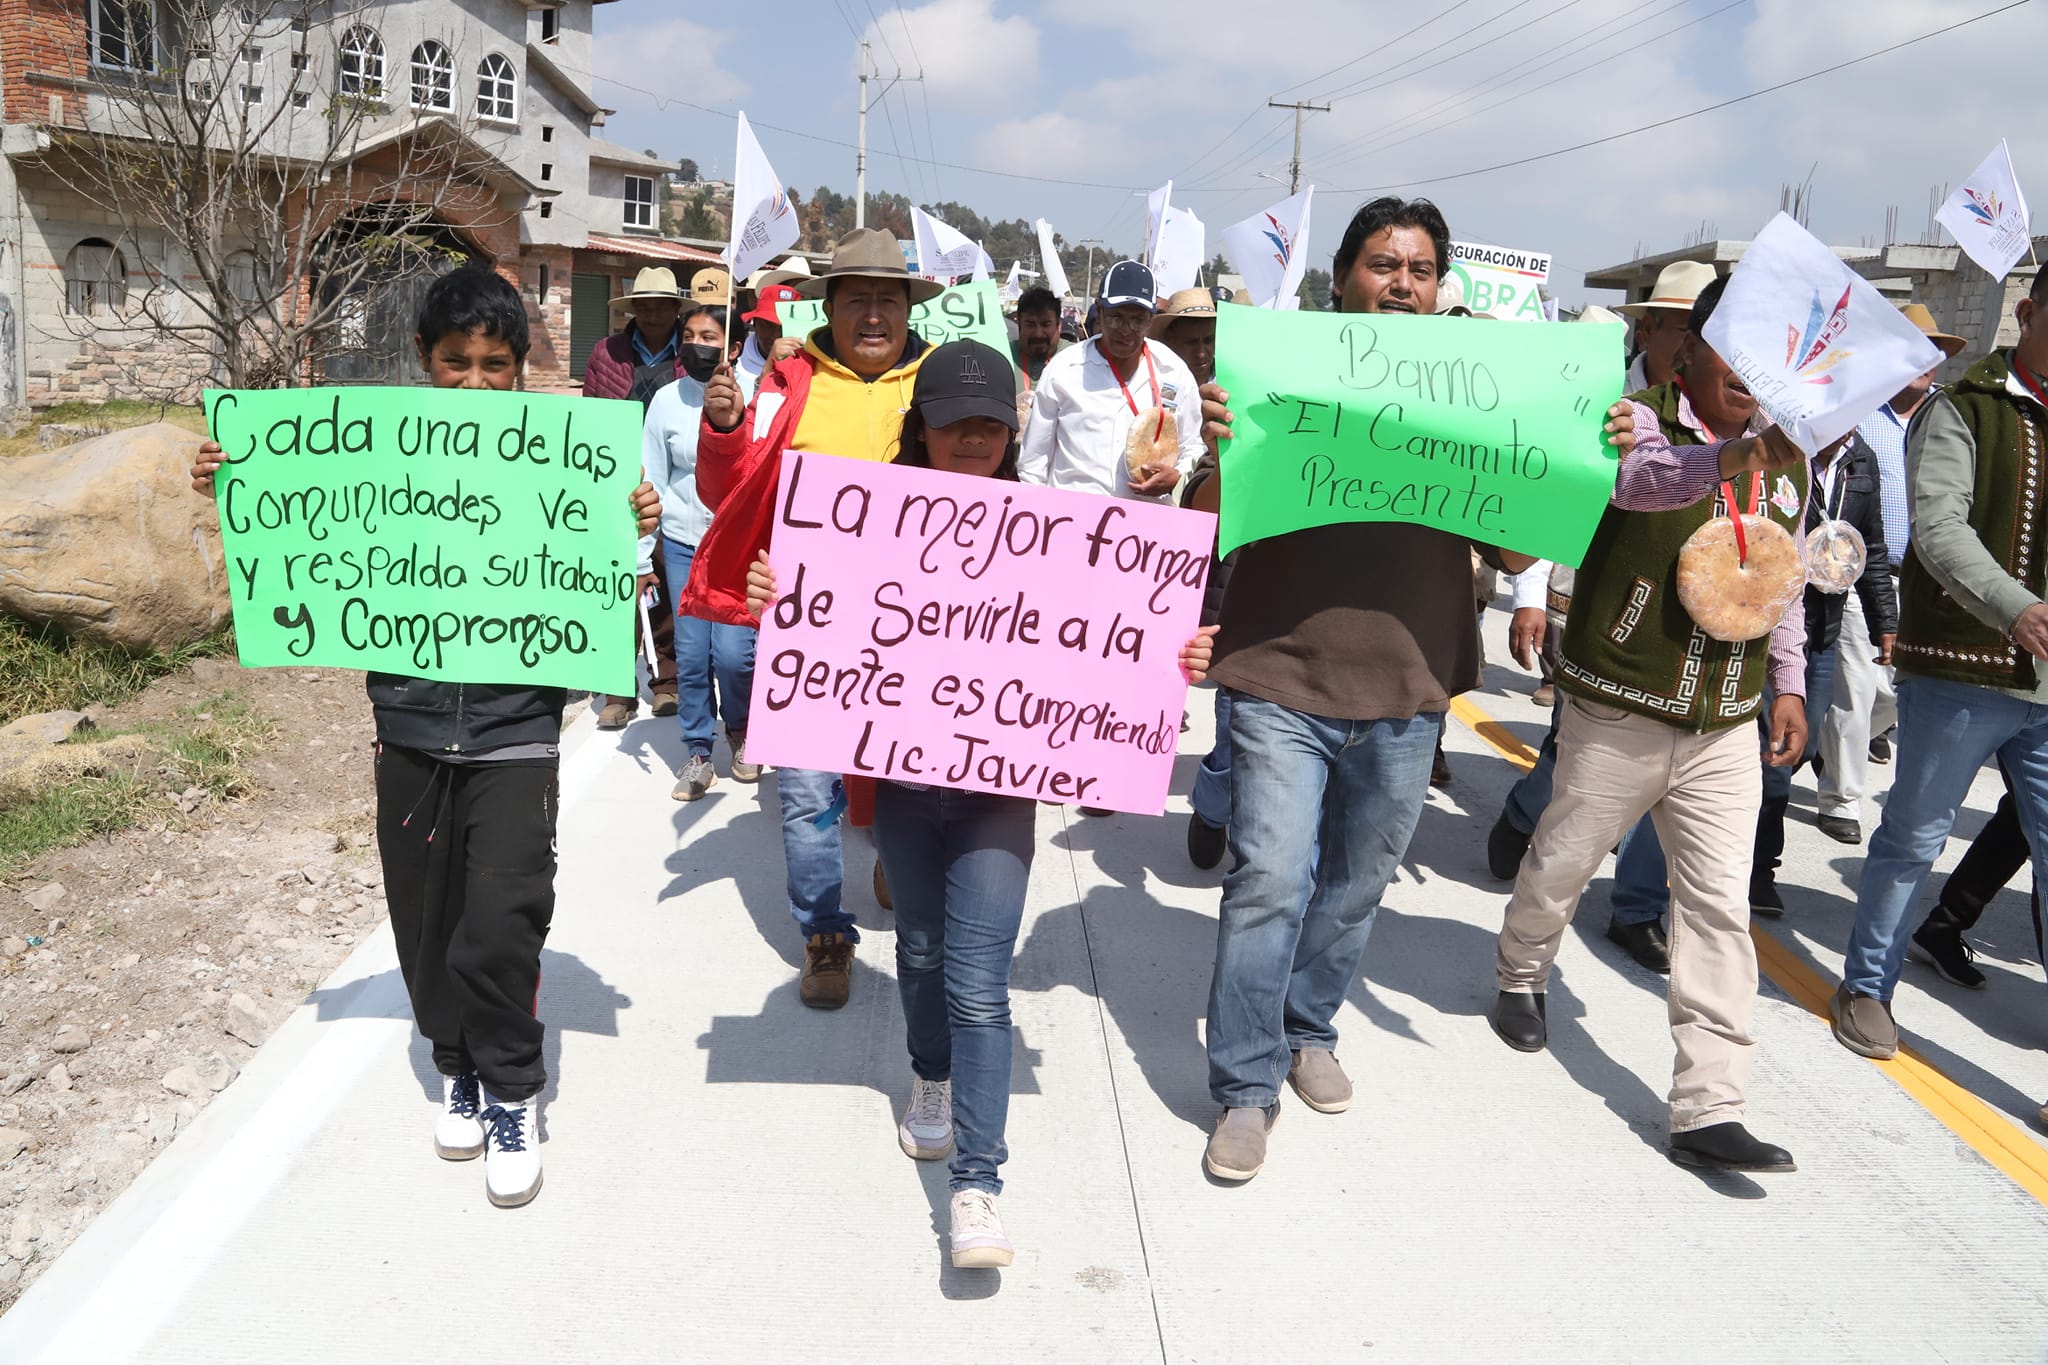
x,y
1123,94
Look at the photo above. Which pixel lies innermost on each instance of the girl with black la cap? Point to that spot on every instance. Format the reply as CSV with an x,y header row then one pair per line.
x,y
958,862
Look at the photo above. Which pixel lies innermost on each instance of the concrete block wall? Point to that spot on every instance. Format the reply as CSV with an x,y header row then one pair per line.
x,y
1978,308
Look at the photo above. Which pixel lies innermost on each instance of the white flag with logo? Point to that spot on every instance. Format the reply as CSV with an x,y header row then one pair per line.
x,y
1055,270
1178,254
1156,205
944,254
1988,215
1013,287
1270,250
1049,260
1818,346
764,222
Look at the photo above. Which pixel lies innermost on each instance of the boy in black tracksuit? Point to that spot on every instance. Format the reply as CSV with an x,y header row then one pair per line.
x,y
466,806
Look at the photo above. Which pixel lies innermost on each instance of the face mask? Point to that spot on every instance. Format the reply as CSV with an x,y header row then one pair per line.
x,y
699,361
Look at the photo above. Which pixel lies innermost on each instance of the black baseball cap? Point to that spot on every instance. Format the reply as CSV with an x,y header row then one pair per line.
x,y
963,379
1129,282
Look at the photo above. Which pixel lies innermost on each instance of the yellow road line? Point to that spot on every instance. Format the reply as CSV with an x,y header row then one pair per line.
x,y
1989,1133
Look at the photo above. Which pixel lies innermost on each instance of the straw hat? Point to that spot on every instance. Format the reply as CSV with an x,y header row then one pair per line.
x,y
711,285
870,253
1595,313
1678,284
792,268
655,282
1917,314
1183,303
1450,293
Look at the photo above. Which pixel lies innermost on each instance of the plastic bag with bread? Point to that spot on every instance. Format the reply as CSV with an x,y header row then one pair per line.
x,y
1154,440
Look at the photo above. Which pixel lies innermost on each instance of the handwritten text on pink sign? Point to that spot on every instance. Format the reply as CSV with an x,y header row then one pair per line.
x,y
970,632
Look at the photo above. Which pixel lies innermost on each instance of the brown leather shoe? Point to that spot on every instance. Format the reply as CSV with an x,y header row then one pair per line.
x,y
617,711
1863,1024
665,701
828,971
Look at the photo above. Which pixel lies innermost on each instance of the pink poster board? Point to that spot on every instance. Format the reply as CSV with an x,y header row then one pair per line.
x,y
961,631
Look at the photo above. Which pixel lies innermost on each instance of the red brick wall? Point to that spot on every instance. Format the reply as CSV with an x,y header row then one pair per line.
x,y
42,38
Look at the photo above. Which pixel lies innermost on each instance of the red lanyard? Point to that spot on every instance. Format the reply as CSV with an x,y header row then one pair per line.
x,y
2033,384
1150,369
1756,502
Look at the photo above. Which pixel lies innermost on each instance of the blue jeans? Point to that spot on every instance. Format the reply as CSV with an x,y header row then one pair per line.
x,y
957,864
1947,731
1327,811
811,851
1211,794
1641,894
704,650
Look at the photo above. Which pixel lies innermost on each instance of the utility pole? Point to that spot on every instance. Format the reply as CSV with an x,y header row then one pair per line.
x,y
1091,243
1293,167
860,157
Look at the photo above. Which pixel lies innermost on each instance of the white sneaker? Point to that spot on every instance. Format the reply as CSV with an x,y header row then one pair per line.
x,y
926,1133
458,1136
978,1240
511,1152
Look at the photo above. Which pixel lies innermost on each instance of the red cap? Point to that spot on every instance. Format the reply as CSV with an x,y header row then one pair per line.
x,y
764,306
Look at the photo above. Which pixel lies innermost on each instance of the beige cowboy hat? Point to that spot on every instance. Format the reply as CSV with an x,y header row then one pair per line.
x,y
655,282
1595,313
1678,284
791,268
1917,314
875,254
1182,303
711,285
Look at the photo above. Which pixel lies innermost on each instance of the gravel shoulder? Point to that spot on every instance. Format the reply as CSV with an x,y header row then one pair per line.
x,y
139,972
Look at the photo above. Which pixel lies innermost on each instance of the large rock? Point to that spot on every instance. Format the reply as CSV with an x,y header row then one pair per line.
x,y
106,539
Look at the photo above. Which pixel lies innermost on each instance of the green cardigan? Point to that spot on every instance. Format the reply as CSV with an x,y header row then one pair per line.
x,y
1628,641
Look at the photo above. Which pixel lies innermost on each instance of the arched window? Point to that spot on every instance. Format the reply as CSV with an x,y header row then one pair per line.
x,y
360,71
95,278
433,77
497,90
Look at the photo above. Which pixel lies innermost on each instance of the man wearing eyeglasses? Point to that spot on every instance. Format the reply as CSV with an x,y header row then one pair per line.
x,y
1119,414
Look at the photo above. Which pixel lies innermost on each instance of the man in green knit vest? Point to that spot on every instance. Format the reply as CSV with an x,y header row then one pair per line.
x,y
1973,631
1661,718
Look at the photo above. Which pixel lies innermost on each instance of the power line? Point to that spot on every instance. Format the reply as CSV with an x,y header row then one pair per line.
x,y
1695,113
1375,50
1382,139
1409,72
1362,84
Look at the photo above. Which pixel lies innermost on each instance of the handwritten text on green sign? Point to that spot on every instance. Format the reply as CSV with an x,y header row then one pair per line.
x,y
451,534
1481,430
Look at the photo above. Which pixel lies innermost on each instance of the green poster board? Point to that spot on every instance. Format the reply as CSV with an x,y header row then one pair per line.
x,y
453,534
1483,430
974,311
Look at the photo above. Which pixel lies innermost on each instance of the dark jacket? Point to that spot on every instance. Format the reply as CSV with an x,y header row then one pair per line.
x,y
451,718
1857,482
614,363
1219,567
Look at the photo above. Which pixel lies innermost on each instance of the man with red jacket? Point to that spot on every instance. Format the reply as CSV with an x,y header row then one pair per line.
x,y
844,393
638,361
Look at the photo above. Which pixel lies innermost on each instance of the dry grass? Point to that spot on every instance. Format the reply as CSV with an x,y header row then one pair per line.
x,y
100,418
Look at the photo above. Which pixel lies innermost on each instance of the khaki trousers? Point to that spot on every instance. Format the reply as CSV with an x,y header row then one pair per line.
x,y
1703,792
